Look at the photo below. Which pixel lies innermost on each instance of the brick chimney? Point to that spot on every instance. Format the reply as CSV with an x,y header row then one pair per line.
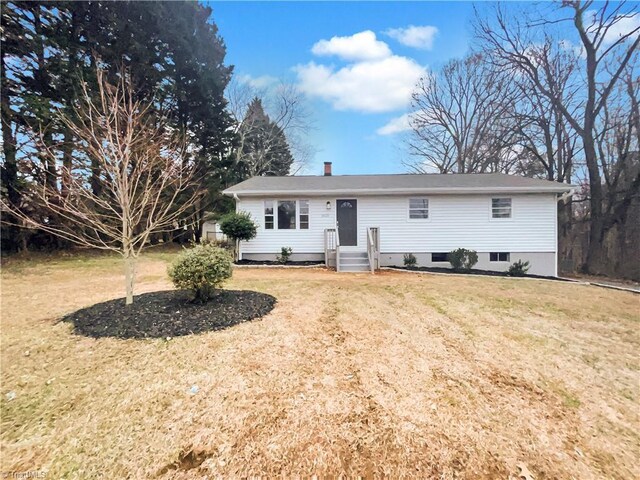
x,y
327,169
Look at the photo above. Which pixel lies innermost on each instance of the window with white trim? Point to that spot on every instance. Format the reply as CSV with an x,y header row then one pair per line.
x,y
501,208
418,208
286,214
499,256
304,214
268,214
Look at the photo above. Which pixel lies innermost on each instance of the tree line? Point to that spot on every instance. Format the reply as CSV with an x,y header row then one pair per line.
x,y
61,60
549,91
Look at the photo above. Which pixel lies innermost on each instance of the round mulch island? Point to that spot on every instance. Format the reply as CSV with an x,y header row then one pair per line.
x,y
169,314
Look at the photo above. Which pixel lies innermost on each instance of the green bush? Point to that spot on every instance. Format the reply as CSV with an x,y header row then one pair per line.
x,y
285,254
518,269
238,226
201,269
410,260
462,260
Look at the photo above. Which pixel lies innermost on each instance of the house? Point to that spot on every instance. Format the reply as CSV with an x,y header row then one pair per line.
x,y
361,222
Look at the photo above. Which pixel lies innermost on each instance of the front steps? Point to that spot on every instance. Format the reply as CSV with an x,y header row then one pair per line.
x,y
354,262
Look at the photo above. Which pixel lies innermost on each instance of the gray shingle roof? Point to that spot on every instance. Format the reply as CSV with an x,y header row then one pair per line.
x,y
395,184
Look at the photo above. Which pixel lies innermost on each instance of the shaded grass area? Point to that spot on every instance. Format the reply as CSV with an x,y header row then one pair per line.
x,y
392,374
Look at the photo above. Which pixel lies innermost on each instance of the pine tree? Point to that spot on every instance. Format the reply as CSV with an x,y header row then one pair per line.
x,y
171,50
263,148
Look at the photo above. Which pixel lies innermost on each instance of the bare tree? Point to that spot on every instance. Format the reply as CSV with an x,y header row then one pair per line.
x,y
606,54
288,113
463,118
146,178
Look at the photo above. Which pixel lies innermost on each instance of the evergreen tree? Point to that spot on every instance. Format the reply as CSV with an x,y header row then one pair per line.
x,y
171,50
263,148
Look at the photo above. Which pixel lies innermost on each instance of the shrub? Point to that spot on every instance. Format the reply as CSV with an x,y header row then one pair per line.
x,y
410,260
285,254
518,269
238,226
201,269
462,260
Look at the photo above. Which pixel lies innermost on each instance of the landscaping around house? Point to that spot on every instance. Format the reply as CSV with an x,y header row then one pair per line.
x,y
275,262
392,374
473,271
169,314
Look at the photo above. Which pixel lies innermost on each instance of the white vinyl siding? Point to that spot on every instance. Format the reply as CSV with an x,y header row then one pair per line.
x,y
461,221
301,240
454,221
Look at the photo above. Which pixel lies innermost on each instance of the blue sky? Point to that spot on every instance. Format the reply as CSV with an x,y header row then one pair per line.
x,y
356,84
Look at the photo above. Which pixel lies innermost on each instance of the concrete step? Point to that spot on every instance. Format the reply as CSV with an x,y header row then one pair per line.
x,y
354,260
354,268
349,254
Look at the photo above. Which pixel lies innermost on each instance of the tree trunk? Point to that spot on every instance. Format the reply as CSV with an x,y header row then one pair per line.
x,y
129,276
564,234
9,169
594,251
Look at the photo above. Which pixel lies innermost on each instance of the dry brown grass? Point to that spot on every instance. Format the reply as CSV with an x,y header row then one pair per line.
x,y
396,374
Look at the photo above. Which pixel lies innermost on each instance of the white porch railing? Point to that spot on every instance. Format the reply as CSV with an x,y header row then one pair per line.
x,y
373,248
332,247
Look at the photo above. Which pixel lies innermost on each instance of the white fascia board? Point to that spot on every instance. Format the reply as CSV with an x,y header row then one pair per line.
x,y
400,191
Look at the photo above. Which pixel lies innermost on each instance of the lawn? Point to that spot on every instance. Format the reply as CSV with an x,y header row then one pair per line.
x,y
397,374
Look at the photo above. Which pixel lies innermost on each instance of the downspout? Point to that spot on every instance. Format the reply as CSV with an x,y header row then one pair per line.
x,y
564,197
237,199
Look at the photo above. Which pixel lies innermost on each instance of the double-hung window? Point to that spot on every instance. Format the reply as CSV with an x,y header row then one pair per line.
x,y
268,214
418,208
304,214
500,208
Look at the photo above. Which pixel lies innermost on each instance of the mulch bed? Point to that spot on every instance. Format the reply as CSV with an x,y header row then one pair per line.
x,y
169,314
475,272
273,262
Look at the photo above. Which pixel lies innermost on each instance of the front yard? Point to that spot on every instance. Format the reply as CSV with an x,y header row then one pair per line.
x,y
396,374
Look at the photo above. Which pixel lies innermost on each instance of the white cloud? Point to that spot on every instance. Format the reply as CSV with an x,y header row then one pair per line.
x,y
623,26
396,125
371,86
360,46
414,36
263,81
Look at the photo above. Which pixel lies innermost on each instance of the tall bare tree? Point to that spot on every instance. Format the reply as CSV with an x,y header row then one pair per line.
x,y
463,118
145,173
606,53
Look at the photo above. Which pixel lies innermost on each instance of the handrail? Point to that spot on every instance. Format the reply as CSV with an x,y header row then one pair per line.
x,y
373,248
331,243
337,250
370,249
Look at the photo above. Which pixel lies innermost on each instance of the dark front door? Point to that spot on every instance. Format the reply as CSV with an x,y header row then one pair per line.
x,y
347,219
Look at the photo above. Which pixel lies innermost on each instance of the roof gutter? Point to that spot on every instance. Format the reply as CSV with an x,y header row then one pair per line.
x,y
400,191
